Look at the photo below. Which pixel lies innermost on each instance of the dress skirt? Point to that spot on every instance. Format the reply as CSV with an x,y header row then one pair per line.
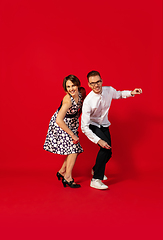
x,y
60,142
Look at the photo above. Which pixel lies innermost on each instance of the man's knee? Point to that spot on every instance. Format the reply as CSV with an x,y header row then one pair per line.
x,y
109,154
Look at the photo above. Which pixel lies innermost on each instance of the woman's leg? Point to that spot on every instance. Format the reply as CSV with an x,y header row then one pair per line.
x,y
71,158
63,168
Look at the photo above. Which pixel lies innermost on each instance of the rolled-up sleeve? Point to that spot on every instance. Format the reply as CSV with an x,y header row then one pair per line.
x,y
85,122
120,94
115,94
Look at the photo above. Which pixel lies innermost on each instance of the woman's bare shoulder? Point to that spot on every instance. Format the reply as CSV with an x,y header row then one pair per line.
x,y
67,99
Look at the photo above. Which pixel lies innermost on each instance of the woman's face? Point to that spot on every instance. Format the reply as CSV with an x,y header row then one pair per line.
x,y
71,88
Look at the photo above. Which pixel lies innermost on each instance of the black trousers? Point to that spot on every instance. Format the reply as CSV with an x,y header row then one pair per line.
x,y
104,154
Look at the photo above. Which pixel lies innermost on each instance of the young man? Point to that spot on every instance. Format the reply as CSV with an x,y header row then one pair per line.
x,y
95,123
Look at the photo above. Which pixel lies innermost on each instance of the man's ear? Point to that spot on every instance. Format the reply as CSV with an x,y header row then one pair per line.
x,y
89,85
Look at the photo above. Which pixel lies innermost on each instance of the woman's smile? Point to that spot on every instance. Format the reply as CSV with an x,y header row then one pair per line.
x,y
71,88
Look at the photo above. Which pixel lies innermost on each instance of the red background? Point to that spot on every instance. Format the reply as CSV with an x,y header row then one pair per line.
x,y
41,43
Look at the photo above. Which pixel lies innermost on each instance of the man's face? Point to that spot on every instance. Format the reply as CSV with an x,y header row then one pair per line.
x,y
95,83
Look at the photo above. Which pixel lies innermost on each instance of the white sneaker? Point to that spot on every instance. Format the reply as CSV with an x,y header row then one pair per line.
x,y
96,183
104,178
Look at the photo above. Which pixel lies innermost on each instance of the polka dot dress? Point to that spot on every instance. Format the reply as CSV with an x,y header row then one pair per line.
x,y
57,140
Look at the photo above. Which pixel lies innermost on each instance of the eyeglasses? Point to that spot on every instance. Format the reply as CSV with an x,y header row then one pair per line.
x,y
94,83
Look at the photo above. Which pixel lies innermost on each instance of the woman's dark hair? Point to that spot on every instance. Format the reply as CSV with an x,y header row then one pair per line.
x,y
92,74
73,79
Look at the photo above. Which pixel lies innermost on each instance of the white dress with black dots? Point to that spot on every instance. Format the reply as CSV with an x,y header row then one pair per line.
x,y
57,140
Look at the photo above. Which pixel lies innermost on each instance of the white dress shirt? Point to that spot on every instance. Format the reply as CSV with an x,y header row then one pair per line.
x,y
95,110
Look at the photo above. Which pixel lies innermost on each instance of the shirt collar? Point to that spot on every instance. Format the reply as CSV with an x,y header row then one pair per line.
x,y
98,94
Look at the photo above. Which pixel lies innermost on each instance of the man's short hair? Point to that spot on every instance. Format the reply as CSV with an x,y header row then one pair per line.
x,y
92,74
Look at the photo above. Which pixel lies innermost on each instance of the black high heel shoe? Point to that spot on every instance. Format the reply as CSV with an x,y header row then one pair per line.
x,y
70,184
59,176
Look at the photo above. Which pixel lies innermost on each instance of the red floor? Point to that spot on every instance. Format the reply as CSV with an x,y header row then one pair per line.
x,y
34,205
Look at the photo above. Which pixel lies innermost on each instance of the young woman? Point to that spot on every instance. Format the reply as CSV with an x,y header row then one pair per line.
x,y
62,137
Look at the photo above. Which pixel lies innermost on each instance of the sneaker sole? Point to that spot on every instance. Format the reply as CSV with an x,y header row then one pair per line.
x,y
99,188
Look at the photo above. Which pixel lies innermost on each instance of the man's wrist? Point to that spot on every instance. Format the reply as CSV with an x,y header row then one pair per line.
x,y
97,139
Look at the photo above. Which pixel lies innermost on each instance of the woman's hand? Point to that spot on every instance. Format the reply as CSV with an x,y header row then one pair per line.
x,y
75,139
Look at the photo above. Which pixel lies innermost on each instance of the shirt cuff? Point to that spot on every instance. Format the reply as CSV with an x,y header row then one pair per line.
x,y
126,94
96,139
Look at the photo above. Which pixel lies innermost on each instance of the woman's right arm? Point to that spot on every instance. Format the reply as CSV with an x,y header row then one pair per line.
x,y
66,104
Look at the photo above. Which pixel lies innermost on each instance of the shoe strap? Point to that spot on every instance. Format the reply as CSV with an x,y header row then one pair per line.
x,y
71,182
